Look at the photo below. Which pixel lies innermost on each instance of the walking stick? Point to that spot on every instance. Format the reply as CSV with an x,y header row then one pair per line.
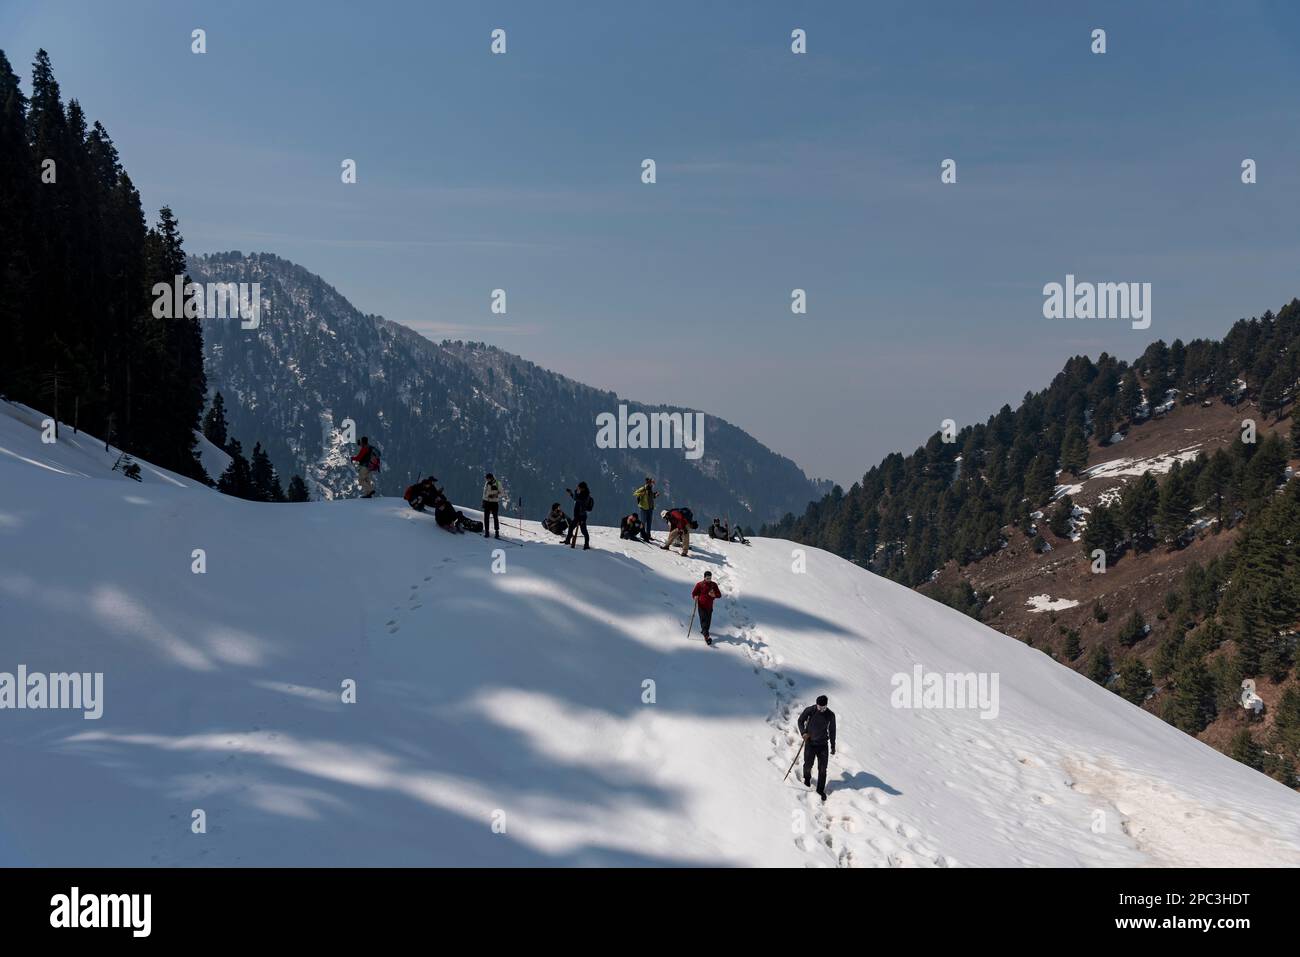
x,y
692,622
796,758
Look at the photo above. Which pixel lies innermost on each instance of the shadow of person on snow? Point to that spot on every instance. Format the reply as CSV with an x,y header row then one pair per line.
x,y
862,781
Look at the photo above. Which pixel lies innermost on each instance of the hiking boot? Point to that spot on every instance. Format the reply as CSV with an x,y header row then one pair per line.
x,y
823,795
807,782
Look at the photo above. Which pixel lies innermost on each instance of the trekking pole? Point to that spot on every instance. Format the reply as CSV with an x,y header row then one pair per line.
x,y
692,622
796,758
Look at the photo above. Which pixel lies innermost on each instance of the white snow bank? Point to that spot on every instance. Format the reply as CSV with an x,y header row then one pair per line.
x,y
1048,603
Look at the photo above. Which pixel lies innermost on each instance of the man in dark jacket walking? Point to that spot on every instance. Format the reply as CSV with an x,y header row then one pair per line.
x,y
817,725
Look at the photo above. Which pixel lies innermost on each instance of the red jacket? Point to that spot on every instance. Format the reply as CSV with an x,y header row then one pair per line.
x,y
677,520
362,455
705,593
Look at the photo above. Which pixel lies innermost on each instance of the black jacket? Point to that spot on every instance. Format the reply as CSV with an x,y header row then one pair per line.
x,y
581,505
820,724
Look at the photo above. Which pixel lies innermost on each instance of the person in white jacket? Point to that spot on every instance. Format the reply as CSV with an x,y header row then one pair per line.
x,y
491,504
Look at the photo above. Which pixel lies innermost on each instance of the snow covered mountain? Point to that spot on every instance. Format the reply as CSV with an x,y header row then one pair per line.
x,y
535,705
450,409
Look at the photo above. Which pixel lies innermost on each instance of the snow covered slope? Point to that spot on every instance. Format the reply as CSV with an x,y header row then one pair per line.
x,y
501,718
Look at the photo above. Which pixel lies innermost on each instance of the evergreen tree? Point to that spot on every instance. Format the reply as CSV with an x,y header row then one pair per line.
x,y
1133,630
262,475
1174,512
1103,532
297,490
1072,647
1074,451
1138,506
1061,517
1134,683
237,479
1193,703
1099,666
1244,749
214,423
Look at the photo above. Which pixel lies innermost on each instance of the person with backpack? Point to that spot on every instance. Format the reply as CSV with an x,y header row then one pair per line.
x,y
705,593
645,501
680,522
422,493
556,521
817,725
491,504
582,504
367,459
630,527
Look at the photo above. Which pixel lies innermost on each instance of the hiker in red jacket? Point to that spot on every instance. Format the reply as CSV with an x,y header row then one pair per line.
x,y
704,594
680,522
367,459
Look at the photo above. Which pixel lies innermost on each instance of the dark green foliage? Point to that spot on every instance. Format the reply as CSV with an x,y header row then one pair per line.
x,y
1072,648
1099,611
297,490
1244,749
1061,515
1133,631
1099,666
215,429
1193,704
1134,682
237,479
77,269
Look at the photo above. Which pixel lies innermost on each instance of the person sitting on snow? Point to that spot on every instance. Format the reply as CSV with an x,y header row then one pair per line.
x,y
449,517
422,493
556,521
630,527
718,530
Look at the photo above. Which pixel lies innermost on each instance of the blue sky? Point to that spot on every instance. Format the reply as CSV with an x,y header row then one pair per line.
x,y
775,171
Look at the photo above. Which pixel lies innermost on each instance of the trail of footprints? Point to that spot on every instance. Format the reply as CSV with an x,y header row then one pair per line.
x,y
413,602
827,840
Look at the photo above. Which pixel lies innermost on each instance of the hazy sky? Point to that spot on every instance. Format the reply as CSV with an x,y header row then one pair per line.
x,y
775,171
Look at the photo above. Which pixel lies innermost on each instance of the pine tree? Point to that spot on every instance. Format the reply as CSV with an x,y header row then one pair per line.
x,y
1174,512
1074,451
1193,704
1134,682
297,490
1061,517
237,479
1099,666
1040,481
262,475
1138,506
1133,630
214,423
1244,749
1072,647
1103,532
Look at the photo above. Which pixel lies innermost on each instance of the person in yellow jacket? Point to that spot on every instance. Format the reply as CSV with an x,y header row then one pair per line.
x,y
645,501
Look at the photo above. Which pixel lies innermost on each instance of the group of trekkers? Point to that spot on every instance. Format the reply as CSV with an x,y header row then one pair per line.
x,y
816,724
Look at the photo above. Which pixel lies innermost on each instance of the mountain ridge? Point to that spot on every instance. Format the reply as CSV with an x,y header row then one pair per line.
x,y
450,408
